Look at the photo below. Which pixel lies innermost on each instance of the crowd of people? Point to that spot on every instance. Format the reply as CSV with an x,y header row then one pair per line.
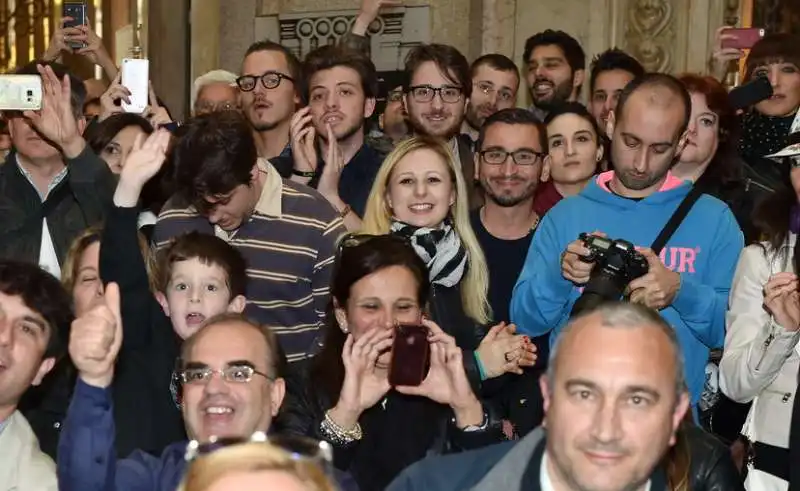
x,y
608,288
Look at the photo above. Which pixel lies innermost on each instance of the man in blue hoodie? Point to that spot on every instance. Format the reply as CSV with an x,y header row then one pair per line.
x,y
688,282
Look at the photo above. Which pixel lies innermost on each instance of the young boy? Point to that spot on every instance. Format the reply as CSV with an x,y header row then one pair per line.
x,y
197,277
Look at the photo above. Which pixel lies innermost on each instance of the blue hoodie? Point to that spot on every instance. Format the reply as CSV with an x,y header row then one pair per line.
x,y
704,250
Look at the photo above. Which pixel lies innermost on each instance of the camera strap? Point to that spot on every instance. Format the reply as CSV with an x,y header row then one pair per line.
x,y
675,220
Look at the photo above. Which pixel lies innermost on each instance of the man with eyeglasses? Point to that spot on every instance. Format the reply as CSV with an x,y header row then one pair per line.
x,y
231,387
495,81
437,91
510,152
270,89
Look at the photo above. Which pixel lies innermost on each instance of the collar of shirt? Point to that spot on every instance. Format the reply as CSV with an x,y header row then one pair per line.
x,y
3,424
547,483
53,183
454,148
269,203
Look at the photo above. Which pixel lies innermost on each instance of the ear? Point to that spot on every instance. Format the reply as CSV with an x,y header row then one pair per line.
x,y
578,78
277,393
547,396
369,107
82,124
611,122
341,317
600,151
405,101
453,196
162,301
677,417
380,122
237,304
545,169
388,199
254,173
44,368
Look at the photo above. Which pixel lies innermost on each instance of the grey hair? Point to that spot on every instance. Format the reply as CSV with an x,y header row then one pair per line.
x,y
212,77
625,315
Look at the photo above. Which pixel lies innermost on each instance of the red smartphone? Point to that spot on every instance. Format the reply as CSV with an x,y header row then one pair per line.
x,y
410,355
742,37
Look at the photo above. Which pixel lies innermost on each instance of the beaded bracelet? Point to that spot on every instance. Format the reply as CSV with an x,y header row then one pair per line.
x,y
337,434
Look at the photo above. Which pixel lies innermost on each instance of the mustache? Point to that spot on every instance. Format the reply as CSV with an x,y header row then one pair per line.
x,y
614,448
540,80
442,114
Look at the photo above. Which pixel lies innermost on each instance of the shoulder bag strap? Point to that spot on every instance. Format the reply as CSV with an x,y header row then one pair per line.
x,y
675,220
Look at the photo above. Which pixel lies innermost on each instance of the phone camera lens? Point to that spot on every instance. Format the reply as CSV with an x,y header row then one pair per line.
x,y
30,93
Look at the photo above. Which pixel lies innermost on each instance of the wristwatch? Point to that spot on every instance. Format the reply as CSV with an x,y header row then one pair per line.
x,y
303,173
473,428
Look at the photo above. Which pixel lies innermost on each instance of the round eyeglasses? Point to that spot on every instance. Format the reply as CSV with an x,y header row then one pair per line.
x,y
270,80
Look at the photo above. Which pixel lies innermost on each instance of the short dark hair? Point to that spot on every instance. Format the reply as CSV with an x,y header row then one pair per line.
x,y
77,89
295,66
779,47
453,65
332,55
579,110
512,116
210,250
494,60
657,80
614,59
42,293
275,362
572,49
100,134
214,154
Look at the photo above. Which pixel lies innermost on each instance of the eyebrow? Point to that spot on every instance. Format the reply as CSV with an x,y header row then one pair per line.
x,y
36,321
657,144
630,389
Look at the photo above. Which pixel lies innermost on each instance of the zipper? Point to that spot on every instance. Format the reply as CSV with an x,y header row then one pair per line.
x,y
764,347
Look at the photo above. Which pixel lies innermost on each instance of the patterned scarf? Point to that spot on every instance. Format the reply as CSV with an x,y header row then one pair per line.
x,y
439,248
763,135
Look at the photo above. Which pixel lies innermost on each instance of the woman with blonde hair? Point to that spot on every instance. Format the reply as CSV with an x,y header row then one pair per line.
x,y
419,194
255,465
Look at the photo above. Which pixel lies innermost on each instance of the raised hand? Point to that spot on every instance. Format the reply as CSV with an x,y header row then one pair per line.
x,y
721,57
446,382
782,300
334,164
154,112
96,338
502,351
56,120
143,162
364,384
369,12
110,101
93,50
58,43
303,136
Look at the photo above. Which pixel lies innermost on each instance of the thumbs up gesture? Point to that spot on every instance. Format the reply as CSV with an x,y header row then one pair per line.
x,y
95,339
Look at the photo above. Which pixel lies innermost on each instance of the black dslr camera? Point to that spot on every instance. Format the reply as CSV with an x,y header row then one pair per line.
x,y
617,264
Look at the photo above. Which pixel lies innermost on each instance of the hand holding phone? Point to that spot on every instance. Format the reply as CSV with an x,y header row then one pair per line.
x,y
74,14
20,92
410,355
364,382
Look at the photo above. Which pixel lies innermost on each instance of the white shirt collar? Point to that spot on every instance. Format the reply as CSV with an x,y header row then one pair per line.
x,y
547,483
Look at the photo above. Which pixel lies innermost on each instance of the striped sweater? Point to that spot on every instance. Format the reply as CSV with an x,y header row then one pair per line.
x,y
289,243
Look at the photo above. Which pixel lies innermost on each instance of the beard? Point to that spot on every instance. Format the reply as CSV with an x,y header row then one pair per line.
x,y
561,94
507,200
347,133
474,118
418,125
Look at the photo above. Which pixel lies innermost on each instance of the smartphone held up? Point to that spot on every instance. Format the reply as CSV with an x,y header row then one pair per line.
x,y
75,14
136,78
20,92
410,355
741,37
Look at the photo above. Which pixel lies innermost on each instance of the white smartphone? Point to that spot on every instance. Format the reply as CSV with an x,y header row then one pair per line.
x,y
136,78
20,92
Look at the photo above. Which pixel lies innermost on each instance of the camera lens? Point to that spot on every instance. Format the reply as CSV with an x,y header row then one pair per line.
x,y
30,93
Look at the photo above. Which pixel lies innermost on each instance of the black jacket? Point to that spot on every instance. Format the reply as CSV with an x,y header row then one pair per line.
x,y
711,468
145,414
397,431
89,186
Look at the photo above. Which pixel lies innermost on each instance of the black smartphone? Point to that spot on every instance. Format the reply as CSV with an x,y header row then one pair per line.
x,y
77,11
410,355
751,93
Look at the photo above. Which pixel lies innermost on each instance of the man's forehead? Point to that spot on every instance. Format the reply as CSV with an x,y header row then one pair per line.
x,y
526,134
430,72
265,60
14,306
547,51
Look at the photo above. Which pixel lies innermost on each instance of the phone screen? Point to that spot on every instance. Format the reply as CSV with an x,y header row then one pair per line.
x,y
410,355
742,37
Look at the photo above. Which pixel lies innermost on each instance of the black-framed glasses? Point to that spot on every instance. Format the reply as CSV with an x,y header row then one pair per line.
x,y
488,89
270,80
498,156
240,374
425,93
394,96
319,452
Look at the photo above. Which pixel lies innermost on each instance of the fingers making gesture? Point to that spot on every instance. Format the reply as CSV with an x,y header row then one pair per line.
x,y
143,162
56,120
96,338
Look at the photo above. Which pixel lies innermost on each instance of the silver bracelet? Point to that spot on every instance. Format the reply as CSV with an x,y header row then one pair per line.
x,y
336,434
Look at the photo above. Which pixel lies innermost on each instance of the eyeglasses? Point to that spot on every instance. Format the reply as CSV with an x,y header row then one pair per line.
x,y
498,156
240,374
487,88
298,448
425,93
270,80
205,107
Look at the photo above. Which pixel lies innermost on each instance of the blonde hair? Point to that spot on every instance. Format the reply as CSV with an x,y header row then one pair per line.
x,y
253,457
378,220
72,262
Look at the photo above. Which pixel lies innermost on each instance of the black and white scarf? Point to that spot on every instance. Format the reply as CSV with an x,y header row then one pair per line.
x,y
440,248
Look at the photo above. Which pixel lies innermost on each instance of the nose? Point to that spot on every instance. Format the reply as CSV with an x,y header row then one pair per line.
x,y
215,215
6,334
641,162
332,100
99,291
609,105
569,147
774,76
606,426
420,188
437,102
539,71
216,385
194,295
509,166
692,129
